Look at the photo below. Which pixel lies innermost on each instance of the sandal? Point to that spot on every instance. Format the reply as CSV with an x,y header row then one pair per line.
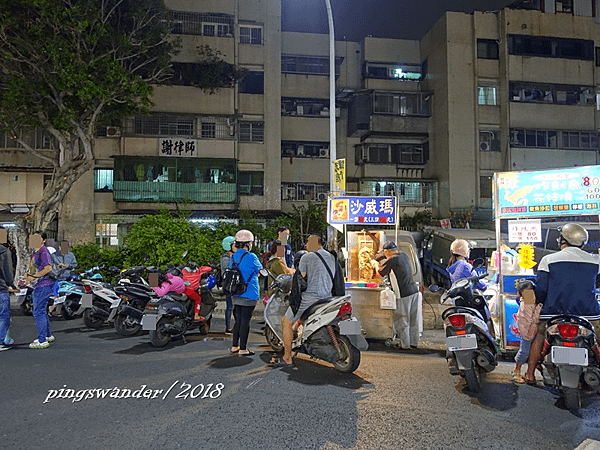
x,y
280,362
250,353
517,377
530,382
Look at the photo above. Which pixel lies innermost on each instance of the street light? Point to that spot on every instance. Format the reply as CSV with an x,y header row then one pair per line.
x,y
332,133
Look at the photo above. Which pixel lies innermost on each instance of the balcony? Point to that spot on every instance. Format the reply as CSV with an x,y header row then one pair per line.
x,y
175,179
165,192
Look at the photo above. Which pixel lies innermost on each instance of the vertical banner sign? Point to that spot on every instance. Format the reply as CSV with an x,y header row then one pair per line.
x,y
339,169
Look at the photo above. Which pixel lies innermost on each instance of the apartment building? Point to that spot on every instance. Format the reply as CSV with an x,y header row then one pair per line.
x,y
428,121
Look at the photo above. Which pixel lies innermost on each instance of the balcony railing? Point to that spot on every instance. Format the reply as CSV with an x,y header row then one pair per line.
x,y
407,192
143,191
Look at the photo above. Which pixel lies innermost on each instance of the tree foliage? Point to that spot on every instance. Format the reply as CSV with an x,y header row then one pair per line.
x,y
67,66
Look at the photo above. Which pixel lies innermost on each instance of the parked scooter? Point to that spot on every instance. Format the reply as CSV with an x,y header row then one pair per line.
x,y
67,298
329,332
101,306
173,314
471,349
571,358
26,297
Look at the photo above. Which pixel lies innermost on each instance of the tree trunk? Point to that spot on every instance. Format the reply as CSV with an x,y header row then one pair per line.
x,y
18,237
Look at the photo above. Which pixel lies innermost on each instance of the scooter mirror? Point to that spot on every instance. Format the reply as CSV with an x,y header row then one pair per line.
x,y
184,255
264,272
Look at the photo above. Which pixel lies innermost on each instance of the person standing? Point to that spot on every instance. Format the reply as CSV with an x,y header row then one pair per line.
x,y
289,253
64,259
244,304
7,287
42,289
229,249
399,269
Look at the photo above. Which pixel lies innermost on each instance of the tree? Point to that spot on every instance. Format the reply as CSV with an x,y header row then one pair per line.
x,y
70,66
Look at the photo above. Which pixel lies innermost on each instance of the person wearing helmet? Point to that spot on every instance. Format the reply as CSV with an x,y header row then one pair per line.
x,y
244,304
228,245
565,284
458,266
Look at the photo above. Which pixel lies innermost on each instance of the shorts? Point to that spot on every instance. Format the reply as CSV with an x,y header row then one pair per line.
x,y
304,305
543,326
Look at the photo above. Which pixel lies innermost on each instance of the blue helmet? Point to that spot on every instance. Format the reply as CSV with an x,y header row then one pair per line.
x,y
209,282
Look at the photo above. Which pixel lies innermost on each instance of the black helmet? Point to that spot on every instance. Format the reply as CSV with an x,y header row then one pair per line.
x,y
297,257
193,265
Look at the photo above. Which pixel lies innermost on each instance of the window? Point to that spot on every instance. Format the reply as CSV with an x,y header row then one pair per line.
x,y
252,131
250,34
308,65
304,149
253,83
304,192
550,47
107,233
304,107
251,183
560,94
201,24
487,49
487,95
564,6
576,140
103,180
402,103
209,129
485,186
489,140
404,154
400,71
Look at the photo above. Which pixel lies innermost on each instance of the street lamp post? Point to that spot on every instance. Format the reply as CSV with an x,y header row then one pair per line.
x,y
332,132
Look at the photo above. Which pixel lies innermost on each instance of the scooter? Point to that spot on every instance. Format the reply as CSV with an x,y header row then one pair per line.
x,y
471,349
173,314
571,358
67,298
329,332
26,300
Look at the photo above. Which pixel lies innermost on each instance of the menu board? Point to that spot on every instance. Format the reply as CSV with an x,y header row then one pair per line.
x,y
560,192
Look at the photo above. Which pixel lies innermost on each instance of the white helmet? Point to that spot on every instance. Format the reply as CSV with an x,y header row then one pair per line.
x,y
460,247
574,234
244,236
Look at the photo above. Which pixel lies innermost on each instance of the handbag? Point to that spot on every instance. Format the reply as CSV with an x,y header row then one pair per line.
x,y
528,320
387,299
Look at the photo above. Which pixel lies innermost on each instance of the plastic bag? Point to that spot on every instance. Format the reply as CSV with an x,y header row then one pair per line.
x,y
387,299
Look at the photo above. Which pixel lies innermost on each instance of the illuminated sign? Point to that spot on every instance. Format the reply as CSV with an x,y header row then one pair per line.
x,y
362,210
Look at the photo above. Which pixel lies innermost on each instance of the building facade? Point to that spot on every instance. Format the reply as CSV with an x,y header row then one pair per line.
x,y
428,121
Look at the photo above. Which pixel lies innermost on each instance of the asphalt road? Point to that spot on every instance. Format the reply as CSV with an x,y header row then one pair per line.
x,y
194,395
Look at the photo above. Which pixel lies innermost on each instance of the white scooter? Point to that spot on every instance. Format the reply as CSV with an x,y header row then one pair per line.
x,y
329,332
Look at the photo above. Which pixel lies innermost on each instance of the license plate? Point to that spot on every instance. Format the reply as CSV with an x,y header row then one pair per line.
x,y
350,327
149,322
86,301
465,342
59,300
569,356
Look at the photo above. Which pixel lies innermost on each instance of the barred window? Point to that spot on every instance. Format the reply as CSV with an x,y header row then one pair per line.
x,y
252,131
201,24
487,95
251,183
250,34
207,127
309,65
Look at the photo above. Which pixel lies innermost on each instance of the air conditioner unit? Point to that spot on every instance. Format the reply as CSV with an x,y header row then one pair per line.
x,y
300,150
484,146
324,153
113,131
322,196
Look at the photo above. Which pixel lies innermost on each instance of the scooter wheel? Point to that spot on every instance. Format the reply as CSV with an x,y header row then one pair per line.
x,y
388,342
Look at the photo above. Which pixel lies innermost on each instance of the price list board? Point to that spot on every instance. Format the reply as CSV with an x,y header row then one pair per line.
x,y
559,192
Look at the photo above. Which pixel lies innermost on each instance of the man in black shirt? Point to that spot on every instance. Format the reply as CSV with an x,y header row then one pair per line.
x,y
400,271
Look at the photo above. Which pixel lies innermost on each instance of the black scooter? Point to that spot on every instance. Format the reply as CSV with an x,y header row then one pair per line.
x,y
173,314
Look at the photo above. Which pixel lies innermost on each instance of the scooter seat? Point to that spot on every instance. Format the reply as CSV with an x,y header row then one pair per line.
x,y
312,308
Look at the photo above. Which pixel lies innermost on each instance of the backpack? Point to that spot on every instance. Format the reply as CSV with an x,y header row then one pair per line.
x,y
299,285
233,280
339,285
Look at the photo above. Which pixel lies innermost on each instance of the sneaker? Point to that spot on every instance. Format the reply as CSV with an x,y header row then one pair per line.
x,y
38,344
9,341
4,347
228,331
50,339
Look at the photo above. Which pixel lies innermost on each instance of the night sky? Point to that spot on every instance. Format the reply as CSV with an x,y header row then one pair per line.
x,y
355,19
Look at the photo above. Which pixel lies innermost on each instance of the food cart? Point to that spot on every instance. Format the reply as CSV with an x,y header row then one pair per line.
x,y
358,218
524,199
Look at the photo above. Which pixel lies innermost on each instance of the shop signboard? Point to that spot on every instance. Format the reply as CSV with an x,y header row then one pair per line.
x,y
362,210
559,192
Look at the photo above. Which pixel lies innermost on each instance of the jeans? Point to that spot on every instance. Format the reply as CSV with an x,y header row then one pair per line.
x,y
406,326
228,311
523,352
241,327
40,301
4,314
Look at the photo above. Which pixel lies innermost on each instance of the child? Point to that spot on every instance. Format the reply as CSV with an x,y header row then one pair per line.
x,y
191,278
528,319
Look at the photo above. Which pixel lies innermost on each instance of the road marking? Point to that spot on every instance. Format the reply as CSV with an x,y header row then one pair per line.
x,y
253,383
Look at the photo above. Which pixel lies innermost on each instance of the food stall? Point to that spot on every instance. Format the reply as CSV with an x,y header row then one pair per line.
x,y
524,200
359,219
